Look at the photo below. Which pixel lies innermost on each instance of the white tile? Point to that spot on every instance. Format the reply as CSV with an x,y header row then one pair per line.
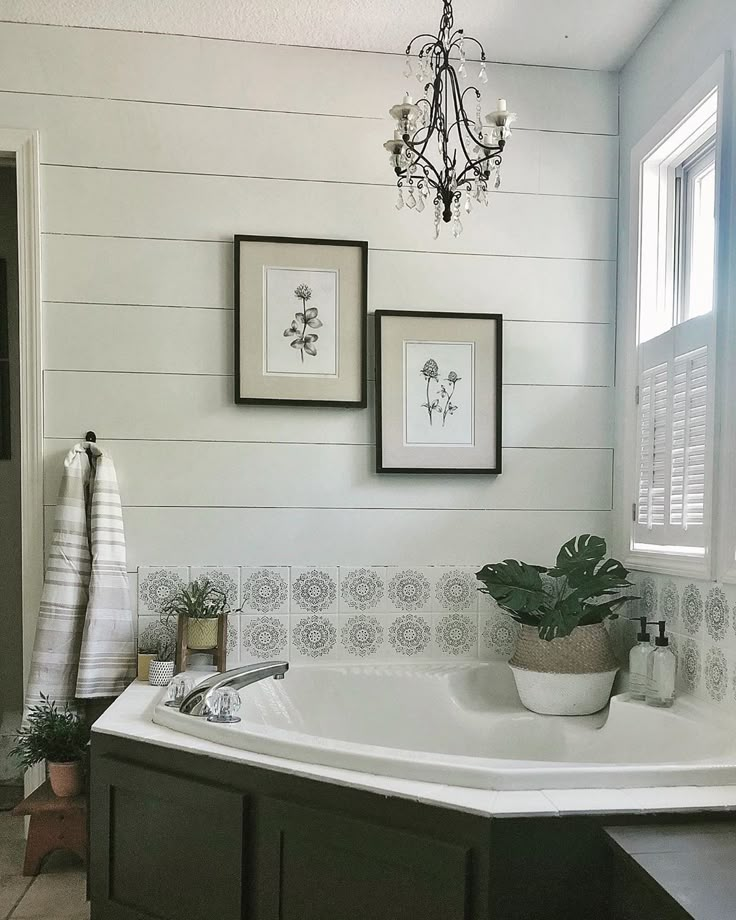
x,y
409,589
226,578
363,636
687,798
313,638
362,589
455,635
314,589
263,637
497,636
157,585
594,801
265,590
232,646
454,589
522,804
409,637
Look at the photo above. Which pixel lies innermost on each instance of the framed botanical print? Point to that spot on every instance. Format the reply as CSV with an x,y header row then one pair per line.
x,y
300,321
438,392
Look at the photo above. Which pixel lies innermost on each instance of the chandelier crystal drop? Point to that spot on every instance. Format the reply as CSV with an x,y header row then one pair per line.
x,y
436,148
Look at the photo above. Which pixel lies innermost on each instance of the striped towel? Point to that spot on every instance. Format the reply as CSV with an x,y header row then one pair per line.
x,y
84,646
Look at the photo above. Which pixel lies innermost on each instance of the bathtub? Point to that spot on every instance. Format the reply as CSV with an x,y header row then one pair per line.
x,y
463,725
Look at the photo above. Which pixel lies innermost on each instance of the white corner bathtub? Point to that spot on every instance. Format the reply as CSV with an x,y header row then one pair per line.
x,y
463,725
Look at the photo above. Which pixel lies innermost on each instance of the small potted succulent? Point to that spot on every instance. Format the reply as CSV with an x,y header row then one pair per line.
x,y
58,736
148,643
162,666
202,603
564,662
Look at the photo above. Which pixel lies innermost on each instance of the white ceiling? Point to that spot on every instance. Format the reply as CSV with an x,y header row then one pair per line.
x,y
593,34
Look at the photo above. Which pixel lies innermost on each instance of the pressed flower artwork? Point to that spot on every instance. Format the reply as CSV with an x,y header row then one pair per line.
x,y
301,310
438,393
301,321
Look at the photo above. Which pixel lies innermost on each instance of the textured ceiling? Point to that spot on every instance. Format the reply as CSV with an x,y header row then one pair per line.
x,y
594,34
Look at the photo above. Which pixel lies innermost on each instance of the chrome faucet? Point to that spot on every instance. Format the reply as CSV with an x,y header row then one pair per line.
x,y
193,703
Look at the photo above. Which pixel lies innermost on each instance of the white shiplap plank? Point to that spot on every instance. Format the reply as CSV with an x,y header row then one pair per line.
x,y
179,273
114,270
538,289
230,536
83,62
190,408
174,138
579,164
192,473
163,205
182,341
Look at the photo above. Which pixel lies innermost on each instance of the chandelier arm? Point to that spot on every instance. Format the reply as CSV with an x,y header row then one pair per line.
x,y
461,116
434,40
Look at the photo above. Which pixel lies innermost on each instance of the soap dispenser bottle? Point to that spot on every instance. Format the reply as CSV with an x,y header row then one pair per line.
x,y
638,662
661,670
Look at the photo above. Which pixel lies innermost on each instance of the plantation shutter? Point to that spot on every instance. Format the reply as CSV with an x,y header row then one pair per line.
x,y
674,437
653,453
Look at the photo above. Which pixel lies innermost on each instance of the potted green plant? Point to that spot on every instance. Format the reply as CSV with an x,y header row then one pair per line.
x,y
148,642
564,662
202,603
58,736
161,669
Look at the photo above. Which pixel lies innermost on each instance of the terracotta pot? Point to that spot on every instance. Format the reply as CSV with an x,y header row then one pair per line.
x,y
67,779
565,677
144,664
202,633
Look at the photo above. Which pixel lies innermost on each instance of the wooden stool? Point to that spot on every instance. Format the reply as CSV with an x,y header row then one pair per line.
x,y
56,824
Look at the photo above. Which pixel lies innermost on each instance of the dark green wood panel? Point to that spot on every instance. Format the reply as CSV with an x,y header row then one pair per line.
x,y
164,846
310,864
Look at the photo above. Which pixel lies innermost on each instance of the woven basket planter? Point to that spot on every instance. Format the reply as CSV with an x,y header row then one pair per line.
x,y
569,676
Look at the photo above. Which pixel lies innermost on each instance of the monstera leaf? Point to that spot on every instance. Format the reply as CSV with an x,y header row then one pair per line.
x,y
516,587
561,619
578,558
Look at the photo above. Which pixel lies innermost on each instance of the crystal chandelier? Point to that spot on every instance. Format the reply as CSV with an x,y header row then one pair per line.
x,y
436,148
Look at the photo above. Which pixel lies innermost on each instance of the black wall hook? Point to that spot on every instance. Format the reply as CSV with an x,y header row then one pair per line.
x,y
91,438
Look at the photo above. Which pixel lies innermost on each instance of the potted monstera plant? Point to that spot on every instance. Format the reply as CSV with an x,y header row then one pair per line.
x,y
202,603
564,662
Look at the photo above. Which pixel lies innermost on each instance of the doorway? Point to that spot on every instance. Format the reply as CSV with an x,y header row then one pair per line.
x,y
11,595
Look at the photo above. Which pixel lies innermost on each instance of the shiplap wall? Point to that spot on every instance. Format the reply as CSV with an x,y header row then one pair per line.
x,y
157,149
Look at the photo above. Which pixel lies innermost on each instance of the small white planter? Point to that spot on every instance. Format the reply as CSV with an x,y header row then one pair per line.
x,y
564,694
160,673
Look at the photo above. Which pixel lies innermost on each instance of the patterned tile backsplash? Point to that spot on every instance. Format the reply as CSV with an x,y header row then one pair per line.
x,y
701,619
313,614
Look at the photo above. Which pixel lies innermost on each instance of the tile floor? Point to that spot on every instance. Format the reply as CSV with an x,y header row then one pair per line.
x,y
58,893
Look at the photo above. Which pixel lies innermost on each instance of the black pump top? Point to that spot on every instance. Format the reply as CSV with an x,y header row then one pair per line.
x,y
661,639
642,635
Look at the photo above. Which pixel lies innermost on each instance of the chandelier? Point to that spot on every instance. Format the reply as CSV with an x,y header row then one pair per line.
x,y
437,149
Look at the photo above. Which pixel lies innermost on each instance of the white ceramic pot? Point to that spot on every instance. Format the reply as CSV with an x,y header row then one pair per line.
x,y
564,694
160,673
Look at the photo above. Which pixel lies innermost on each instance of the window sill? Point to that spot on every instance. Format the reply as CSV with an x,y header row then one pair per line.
x,y
669,564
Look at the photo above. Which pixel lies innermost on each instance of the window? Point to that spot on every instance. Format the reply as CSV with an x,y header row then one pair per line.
x,y
675,343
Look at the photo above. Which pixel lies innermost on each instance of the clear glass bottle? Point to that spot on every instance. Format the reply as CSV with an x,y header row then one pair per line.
x,y
639,662
661,671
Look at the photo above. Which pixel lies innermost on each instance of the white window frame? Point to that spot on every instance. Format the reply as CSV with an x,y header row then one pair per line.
x,y
720,532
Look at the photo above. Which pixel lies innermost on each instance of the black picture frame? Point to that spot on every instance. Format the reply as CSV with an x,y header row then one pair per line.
x,y
495,467
362,246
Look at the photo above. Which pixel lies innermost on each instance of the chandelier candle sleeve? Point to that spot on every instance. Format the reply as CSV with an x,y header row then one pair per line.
x,y
437,149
